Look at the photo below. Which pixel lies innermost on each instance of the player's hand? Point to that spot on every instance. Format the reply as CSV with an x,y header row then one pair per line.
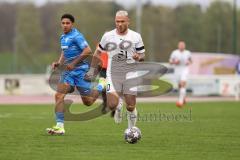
x,y
70,67
136,56
176,61
55,65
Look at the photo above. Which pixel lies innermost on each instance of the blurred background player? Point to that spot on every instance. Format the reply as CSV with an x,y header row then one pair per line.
x,y
117,64
181,59
75,50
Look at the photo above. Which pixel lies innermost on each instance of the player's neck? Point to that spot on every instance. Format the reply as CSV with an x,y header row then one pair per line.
x,y
68,31
123,33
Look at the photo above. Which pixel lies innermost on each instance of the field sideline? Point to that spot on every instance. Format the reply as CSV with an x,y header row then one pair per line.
x,y
212,132
49,99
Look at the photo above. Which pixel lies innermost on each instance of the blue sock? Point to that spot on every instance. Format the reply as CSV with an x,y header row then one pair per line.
x,y
59,117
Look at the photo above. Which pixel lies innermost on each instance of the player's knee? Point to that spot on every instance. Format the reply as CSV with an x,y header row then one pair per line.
x,y
182,84
130,108
112,105
87,102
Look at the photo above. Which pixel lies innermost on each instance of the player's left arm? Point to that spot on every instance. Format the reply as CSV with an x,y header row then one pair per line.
x,y
86,51
139,56
189,61
140,50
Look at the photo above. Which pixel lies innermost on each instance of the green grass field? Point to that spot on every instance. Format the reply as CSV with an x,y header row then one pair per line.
x,y
211,131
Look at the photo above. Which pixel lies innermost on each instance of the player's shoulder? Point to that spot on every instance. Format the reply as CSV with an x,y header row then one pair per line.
x,y
134,34
176,51
62,36
109,33
187,52
76,33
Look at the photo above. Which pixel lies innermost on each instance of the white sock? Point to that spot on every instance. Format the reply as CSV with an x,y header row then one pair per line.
x,y
132,118
60,124
120,104
182,94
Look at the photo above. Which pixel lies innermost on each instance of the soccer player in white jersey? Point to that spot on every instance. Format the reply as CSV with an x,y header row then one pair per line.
x,y
181,59
124,46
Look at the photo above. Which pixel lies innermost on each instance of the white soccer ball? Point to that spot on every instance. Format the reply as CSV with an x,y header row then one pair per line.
x,y
132,135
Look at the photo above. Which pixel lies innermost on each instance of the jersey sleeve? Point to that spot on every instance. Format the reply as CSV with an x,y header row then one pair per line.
x,y
60,42
189,55
139,45
173,56
81,42
102,43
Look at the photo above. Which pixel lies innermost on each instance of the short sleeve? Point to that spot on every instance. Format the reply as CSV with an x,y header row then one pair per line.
x,y
102,43
139,45
189,55
173,56
81,42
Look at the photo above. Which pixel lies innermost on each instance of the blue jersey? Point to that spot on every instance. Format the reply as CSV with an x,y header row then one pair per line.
x,y
72,44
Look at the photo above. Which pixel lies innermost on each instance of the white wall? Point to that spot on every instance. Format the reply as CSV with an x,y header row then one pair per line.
x,y
36,84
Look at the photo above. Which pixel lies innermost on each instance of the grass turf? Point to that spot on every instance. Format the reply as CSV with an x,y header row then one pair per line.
x,y
200,131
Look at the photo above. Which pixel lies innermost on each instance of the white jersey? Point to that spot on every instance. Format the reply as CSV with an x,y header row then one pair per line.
x,y
181,70
183,57
120,49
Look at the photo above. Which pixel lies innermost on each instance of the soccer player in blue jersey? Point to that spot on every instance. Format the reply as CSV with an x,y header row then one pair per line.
x,y
75,50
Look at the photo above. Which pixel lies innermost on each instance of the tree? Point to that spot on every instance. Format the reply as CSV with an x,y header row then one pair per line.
x,y
29,37
92,25
158,32
8,18
217,29
188,21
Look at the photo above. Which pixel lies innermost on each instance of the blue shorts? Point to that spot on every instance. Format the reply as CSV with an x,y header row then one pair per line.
x,y
75,78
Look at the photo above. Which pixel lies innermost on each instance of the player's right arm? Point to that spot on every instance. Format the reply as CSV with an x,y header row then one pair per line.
x,y
173,59
96,60
59,62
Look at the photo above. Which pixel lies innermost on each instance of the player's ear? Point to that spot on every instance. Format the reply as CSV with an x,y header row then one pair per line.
x,y
128,20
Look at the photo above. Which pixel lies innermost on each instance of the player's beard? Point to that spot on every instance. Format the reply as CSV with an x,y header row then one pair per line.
x,y
122,29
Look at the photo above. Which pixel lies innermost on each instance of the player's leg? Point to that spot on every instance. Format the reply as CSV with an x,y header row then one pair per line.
x,y
101,87
182,88
89,98
112,100
88,94
131,109
113,96
130,99
105,109
182,92
118,112
181,77
62,90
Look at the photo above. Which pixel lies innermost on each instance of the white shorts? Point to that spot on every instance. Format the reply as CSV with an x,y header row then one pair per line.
x,y
181,75
120,84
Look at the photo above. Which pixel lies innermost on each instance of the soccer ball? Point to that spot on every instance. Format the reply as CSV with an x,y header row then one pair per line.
x,y
132,135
